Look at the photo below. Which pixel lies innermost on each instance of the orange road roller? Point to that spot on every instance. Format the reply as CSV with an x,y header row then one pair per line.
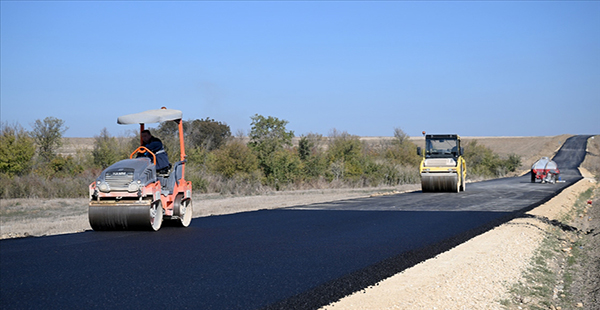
x,y
132,194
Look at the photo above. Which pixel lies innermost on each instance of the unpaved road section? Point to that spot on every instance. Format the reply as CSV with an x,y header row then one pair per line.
x,y
300,257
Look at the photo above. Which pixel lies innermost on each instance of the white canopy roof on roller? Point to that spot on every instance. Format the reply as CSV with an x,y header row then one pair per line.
x,y
150,116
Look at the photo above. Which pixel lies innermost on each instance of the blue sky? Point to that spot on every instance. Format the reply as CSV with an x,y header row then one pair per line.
x,y
473,68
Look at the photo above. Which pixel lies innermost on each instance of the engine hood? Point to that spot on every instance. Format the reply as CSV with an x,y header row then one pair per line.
x,y
120,174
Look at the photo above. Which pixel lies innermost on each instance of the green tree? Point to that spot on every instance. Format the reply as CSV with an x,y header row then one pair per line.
x,y
207,133
106,150
16,150
267,136
48,137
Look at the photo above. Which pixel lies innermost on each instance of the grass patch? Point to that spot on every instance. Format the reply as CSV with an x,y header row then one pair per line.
x,y
547,282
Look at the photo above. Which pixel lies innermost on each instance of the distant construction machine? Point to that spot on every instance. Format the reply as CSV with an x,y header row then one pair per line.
x,y
443,168
132,195
545,170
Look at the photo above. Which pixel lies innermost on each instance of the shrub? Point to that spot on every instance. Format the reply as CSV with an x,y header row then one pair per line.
x,y
482,161
36,186
107,150
16,150
233,158
402,151
314,161
286,167
345,155
64,166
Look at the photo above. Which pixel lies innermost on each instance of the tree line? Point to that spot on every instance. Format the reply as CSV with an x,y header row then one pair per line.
x,y
264,160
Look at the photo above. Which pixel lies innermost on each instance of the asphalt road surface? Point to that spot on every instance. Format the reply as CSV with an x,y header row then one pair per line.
x,y
292,258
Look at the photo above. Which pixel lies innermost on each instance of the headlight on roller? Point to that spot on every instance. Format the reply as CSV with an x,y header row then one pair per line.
x,y
103,187
133,187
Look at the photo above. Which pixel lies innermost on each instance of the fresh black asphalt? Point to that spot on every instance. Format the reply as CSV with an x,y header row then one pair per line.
x,y
292,258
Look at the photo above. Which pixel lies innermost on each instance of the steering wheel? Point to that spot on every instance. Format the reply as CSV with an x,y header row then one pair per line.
x,y
143,149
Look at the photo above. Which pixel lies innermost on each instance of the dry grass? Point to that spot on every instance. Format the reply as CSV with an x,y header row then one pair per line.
x,y
37,217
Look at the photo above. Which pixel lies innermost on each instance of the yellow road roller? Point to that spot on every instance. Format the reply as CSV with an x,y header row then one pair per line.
x,y
133,194
443,168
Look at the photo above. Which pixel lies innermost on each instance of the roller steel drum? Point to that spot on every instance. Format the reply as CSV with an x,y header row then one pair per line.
x,y
439,182
126,216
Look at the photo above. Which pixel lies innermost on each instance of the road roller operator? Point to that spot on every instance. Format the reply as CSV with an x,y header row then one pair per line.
x,y
155,146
